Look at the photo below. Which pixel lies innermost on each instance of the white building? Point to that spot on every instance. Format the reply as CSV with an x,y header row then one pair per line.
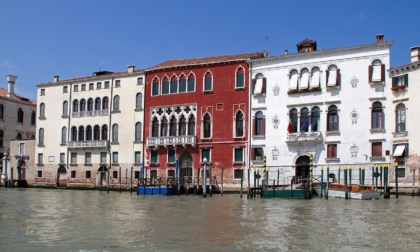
x,y
90,126
17,121
333,105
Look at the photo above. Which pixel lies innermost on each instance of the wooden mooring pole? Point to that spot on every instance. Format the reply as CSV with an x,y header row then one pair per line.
x,y
222,179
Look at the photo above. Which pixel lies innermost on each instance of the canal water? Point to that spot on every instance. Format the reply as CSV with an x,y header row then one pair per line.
x,y
71,220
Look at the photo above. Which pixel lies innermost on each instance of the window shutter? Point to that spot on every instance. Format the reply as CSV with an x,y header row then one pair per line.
x,y
394,81
382,119
326,77
370,73
263,127
254,81
406,79
383,72
255,128
253,154
264,85
337,83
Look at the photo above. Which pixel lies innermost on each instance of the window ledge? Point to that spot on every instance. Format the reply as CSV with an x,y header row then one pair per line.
x,y
331,133
259,136
154,164
398,88
115,164
377,158
332,160
137,164
116,111
115,143
260,94
88,164
42,118
208,163
137,141
138,109
206,139
238,162
377,83
333,87
40,164
64,116
103,164
377,130
302,91
239,88
170,163
41,145
208,91
239,137
74,165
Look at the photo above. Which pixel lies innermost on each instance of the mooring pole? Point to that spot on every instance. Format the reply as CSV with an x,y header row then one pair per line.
x,y
242,181
311,174
360,175
328,182
350,174
255,182
380,174
363,175
322,181
386,180
346,195
414,179
396,179
339,175
222,179
131,180
177,182
119,177
373,176
204,178
249,181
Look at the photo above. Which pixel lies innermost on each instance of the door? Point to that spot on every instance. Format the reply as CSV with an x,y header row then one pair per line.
x,y
302,168
185,168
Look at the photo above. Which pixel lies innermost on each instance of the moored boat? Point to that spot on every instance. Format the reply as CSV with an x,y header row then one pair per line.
x,y
363,192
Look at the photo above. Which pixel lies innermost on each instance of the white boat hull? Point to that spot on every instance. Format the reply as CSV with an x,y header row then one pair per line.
x,y
365,195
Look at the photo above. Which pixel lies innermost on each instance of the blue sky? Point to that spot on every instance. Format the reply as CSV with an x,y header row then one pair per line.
x,y
43,38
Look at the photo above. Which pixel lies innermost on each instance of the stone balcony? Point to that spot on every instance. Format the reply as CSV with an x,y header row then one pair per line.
x,y
87,144
92,113
171,141
304,138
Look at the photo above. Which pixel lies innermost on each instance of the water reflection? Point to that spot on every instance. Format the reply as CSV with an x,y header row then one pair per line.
x,y
70,220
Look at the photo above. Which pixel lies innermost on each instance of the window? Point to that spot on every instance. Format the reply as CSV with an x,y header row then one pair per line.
x,y
240,78
1,111
76,88
259,85
19,136
97,133
65,108
208,82
182,130
238,155
139,100
73,158
206,126
333,76
74,133
137,133
98,103
40,158
153,156
174,85
106,84
239,124
73,174
20,115
89,133
182,84
115,133
90,104
153,174
165,86
81,133
116,103
41,136
315,119
1,138
164,127
82,105
137,157
171,156
257,154
75,106
316,77
332,118
65,89
88,158
205,153
238,173
136,174
98,85
191,83
104,132
33,118
400,82
377,116
172,127
155,87
118,83
304,120
63,135
21,145
191,126
259,124
103,157
105,102
332,151
88,174
115,174
400,117
115,157
171,173
83,87
376,149
376,71
90,86
140,81
62,158
304,79
42,92
155,127
39,174
293,80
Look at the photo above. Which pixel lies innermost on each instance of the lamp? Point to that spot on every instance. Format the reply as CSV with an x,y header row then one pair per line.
x,y
204,177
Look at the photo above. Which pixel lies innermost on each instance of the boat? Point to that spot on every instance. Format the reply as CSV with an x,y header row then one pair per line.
x,y
363,192
295,190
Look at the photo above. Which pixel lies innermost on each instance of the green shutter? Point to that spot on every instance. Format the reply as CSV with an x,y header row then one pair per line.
x,y
165,87
182,85
191,84
174,87
406,80
238,155
240,80
207,84
153,157
171,156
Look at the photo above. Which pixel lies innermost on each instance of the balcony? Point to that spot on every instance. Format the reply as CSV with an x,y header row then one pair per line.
x,y
171,140
90,113
87,144
304,138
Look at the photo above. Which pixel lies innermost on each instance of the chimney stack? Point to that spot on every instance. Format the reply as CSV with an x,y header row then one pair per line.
x,y
380,38
11,79
286,52
131,69
415,53
56,77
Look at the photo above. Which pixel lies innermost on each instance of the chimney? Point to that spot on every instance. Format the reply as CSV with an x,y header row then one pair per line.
x,y
56,77
131,69
286,52
380,38
11,79
415,53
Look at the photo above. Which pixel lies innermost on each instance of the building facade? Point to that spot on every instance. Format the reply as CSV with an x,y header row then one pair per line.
x,y
329,108
90,130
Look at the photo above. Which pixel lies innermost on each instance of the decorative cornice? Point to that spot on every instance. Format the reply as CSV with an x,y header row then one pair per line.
x,y
404,69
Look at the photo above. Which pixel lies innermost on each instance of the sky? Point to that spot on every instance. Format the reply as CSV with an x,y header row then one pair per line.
x,y
73,38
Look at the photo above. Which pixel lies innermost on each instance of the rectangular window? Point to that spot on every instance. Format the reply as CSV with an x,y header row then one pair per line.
x,y
205,153
171,156
171,173
332,151
115,157
118,83
73,158
73,174
106,84
98,85
90,86
88,174
400,81
153,174
137,175
115,174
103,157
240,80
42,91
39,174
191,85
154,156
155,88
182,85
88,158
22,149
65,89
83,87
40,158
137,157
258,154
140,81
62,158
237,173
377,149
174,86
165,87
76,88
239,155
208,83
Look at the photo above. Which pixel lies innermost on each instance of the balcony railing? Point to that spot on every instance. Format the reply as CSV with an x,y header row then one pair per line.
x,y
171,140
304,137
88,144
93,113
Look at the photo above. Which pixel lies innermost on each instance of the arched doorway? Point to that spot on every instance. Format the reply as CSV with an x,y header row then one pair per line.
x,y
101,178
185,167
62,176
21,170
302,167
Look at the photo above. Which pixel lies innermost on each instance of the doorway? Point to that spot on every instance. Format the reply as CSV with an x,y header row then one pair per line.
x,y
186,167
103,170
61,176
302,167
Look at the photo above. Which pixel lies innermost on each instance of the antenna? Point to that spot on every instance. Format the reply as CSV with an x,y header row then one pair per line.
x,y
267,42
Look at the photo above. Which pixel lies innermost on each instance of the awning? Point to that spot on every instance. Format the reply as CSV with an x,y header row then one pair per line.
x,y
399,150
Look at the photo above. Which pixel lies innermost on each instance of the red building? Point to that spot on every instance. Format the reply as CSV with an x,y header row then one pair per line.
x,y
196,109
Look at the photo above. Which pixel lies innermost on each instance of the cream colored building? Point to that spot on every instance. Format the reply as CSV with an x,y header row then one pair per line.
x,y
90,127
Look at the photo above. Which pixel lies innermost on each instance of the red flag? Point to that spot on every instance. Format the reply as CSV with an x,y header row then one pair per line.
x,y
289,128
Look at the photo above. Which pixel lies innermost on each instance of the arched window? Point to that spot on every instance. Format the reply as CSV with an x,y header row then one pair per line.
x,y
115,133
172,127
333,76
116,103
315,119
104,132
155,87
316,77
74,133
75,106
33,117
1,138
82,105
377,116
304,120
376,71
239,124
191,126
293,120
174,85
19,136
332,118
97,133
182,83
182,131
137,131
155,127
105,102
165,85
98,103
139,100
89,133
400,116
240,78
63,135
42,110
81,133
164,127
191,83
304,79
1,111
206,126
259,124
90,104
20,115
293,80
208,82
65,108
